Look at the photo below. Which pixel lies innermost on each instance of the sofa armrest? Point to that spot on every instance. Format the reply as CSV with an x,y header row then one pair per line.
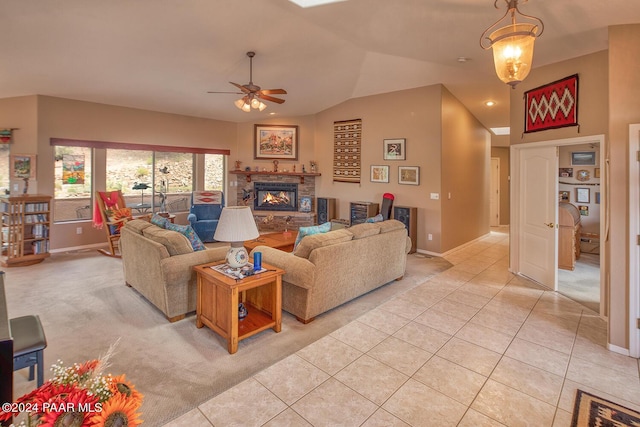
x,y
298,271
192,218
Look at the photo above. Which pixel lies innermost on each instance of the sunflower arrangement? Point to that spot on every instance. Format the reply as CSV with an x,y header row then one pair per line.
x,y
81,395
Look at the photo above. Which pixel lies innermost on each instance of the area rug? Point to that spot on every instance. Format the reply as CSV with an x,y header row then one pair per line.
x,y
592,411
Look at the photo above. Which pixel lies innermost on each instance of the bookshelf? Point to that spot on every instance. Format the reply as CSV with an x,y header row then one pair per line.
x,y
26,221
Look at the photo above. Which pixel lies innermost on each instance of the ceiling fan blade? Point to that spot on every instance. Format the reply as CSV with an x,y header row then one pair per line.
x,y
237,93
242,88
270,98
273,91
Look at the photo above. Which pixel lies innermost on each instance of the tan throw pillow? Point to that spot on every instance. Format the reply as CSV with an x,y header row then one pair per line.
x,y
176,243
309,243
390,225
360,231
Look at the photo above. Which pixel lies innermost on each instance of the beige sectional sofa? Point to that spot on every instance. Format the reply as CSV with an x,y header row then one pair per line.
x,y
329,269
158,264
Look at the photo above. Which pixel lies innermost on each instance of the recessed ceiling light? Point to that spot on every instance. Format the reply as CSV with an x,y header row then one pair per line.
x,y
463,59
501,131
313,3
489,103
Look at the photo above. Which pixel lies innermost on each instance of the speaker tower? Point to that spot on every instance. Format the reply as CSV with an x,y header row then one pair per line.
x,y
409,217
326,209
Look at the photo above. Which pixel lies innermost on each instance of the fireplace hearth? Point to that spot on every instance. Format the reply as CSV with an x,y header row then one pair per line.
x,y
275,196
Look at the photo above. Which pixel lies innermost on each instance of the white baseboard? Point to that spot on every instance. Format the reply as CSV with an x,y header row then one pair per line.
x,y
619,350
78,248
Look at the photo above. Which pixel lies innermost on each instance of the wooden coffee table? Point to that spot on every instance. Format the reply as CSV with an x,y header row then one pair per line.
x,y
219,296
282,240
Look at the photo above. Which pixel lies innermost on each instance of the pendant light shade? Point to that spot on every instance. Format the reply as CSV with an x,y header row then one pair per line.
x,y
512,44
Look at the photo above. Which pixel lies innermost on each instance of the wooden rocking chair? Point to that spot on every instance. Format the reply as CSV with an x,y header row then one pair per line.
x,y
113,213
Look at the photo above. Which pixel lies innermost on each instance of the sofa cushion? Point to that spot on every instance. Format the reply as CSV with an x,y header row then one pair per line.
x,y
176,243
309,243
189,233
137,225
160,221
309,231
366,229
390,225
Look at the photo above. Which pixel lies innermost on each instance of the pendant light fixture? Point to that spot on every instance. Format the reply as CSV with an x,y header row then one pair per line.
x,y
512,43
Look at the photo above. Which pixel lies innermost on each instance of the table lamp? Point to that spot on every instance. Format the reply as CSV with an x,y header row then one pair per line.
x,y
236,225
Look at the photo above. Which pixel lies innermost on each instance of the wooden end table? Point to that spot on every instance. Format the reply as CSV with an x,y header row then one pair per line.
x,y
219,296
282,240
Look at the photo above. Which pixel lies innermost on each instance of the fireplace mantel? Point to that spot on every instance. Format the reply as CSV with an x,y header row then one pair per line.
x,y
299,174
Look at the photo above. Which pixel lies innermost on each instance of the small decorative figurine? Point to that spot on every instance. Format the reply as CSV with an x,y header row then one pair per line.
x,y
313,166
294,168
275,166
303,169
238,163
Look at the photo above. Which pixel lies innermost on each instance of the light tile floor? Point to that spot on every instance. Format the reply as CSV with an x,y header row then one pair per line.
x,y
472,346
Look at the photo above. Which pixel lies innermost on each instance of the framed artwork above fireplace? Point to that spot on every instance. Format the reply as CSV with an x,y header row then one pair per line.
x,y
276,142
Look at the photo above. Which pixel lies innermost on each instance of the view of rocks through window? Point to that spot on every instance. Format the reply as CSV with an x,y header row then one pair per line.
x,y
131,172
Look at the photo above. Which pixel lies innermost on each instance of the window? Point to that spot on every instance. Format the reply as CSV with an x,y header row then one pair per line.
x,y
214,172
4,167
151,181
73,183
173,181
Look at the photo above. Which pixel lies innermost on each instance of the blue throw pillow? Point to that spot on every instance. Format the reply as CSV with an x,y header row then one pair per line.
x,y
160,221
308,231
376,218
190,234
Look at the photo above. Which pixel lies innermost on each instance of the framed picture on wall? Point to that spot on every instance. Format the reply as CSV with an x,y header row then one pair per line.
x,y
276,142
583,158
582,195
394,149
23,166
379,173
563,196
409,175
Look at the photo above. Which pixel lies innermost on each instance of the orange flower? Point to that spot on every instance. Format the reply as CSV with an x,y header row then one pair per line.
x,y
117,411
75,409
122,386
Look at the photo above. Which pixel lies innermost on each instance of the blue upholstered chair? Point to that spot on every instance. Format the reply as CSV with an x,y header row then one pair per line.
x,y
206,207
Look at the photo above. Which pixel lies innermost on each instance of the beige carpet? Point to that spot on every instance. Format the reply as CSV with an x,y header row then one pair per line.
x,y
85,306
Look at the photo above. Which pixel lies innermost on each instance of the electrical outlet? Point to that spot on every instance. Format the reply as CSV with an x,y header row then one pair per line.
x,y
79,230
430,236
435,196
16,187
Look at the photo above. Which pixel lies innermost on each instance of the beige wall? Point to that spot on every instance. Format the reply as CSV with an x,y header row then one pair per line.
x,y
466,166
41,118
624,109
502,153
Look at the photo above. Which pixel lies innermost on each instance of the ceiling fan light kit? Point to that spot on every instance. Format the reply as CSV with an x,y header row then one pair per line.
x,y
253,94
512,44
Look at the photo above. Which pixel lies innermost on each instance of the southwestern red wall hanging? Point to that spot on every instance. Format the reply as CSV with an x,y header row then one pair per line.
x,y
552,106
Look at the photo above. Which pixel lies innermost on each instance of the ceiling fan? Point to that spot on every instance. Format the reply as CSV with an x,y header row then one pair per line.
x,y
253,94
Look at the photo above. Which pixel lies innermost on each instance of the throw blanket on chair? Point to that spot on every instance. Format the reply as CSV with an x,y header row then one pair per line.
x,y
110,202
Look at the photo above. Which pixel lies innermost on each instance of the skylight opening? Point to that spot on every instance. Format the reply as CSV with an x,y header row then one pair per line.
x,y
313,3
501,131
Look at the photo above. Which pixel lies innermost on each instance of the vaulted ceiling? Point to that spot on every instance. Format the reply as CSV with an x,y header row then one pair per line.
x,y
164,55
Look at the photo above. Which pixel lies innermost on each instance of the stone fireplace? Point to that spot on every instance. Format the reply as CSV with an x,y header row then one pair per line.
x,y
270,218
275,196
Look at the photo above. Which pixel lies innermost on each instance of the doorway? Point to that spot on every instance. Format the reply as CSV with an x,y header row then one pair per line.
x,y
534,237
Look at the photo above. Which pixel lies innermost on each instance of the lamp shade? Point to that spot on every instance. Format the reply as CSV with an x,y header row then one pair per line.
x,y
513,51
236,224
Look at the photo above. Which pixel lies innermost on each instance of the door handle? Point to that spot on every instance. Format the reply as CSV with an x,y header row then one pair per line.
x,y
550,225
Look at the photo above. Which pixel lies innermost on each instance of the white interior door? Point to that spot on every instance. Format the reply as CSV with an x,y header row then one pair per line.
x,y
538,212
494,193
